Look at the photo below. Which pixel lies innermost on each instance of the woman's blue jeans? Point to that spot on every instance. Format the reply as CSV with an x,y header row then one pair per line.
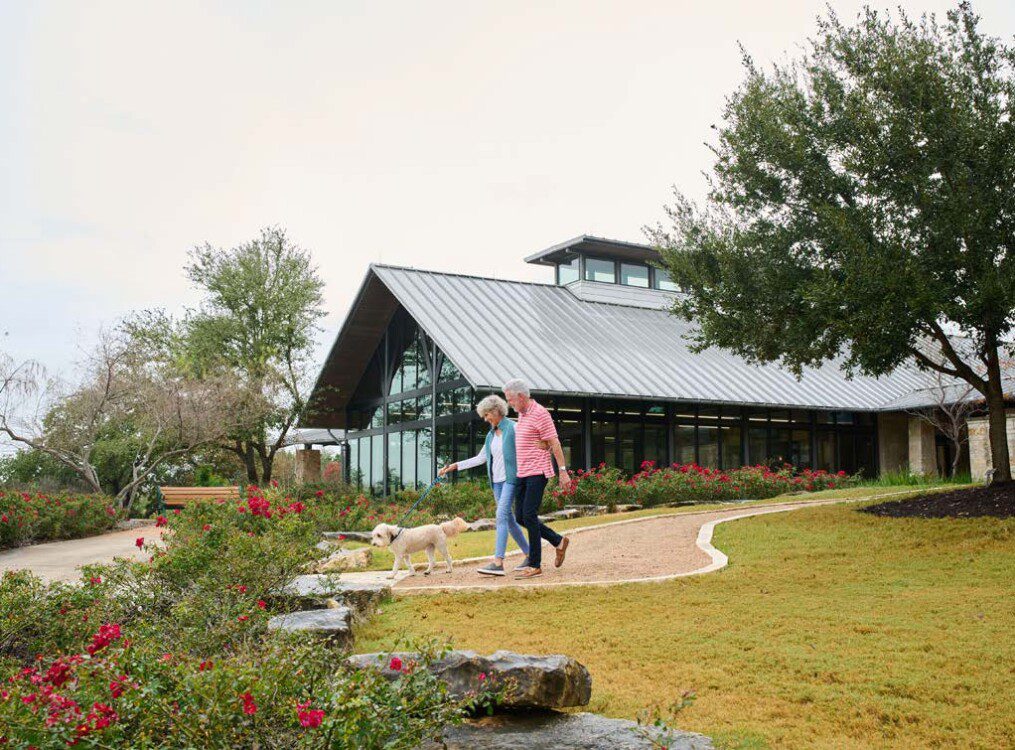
x,y
504,493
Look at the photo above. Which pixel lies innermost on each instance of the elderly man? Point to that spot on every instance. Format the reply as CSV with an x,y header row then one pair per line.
x,y
535,430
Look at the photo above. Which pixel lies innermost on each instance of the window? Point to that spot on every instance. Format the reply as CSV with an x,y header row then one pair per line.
x,y
631,448
655,441
409,458
826,450
377,464
354,478
800,448
600,270
663,281
633,274
604,443
567,272
449,371
394,461
708,447
731,447
424,456
683,444
757,445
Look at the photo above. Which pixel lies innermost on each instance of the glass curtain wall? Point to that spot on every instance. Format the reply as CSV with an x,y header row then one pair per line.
x,y
418,414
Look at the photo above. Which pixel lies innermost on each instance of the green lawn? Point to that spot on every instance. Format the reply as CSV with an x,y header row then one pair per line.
x,y
830,629
481,543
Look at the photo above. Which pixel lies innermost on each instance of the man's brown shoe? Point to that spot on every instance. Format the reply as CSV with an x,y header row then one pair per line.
x,y
561,551
530,573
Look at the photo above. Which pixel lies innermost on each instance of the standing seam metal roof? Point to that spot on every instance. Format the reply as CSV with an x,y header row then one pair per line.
x,y
494,330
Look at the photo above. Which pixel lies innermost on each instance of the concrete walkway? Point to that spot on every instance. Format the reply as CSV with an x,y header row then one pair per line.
x,y
59,561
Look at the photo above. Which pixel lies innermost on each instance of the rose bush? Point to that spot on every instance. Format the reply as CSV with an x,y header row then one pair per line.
x,y
29,517
174,651
690,483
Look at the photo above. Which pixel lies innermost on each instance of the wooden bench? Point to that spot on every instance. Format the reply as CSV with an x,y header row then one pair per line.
x,y
177,497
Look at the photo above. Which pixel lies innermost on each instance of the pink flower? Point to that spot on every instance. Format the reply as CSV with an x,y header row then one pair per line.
x,y
249,707
95,580
139,542
243,618
395,664
206,527
161,521
166,657
262,604
205,665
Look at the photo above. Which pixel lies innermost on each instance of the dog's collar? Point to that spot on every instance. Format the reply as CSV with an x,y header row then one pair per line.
x,y
397,534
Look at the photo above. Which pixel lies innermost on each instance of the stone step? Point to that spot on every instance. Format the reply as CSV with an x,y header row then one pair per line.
x,y
315,589
582,731
553,681
346,559
333,625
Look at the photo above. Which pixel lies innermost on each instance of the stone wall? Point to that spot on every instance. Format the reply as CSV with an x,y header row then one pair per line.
x,y
922,450
308,465
893,442
979,444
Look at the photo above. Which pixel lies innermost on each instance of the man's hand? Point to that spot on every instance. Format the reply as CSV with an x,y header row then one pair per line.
x,y
564,480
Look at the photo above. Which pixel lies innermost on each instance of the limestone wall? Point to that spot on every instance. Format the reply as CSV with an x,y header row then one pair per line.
x,y
979,444
893,442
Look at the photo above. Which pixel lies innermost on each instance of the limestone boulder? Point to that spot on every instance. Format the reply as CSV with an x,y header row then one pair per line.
x,y
541,682
628,507
346,559
313,591
483,524
333,624
546,730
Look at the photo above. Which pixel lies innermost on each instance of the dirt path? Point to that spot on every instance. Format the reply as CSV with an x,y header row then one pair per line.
x,y
643,549
59,561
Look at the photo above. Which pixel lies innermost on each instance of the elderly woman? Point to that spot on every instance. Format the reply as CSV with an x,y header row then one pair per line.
x,y
501,468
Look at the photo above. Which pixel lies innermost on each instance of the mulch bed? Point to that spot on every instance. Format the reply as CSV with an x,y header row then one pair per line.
x,y
998,501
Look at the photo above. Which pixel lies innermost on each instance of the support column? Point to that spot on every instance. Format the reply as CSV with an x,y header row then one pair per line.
x,y
308,466
893,442
922,451
979,444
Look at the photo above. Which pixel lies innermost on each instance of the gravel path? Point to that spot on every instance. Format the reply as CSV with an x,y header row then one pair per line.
x,y
639,549
59,561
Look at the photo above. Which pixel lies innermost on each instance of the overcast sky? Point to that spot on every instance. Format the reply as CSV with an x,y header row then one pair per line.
x,y
450,136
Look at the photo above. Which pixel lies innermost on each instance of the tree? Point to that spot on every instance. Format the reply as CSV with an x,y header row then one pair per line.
x,y
149,409
861,205
257,322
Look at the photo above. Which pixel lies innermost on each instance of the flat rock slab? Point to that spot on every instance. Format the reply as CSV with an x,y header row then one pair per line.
x,y
334,624
483,524
555,731
554,681
315,589
338,536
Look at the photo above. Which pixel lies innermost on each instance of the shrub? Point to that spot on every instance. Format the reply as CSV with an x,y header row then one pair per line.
x,y
690,483
175,651
27,517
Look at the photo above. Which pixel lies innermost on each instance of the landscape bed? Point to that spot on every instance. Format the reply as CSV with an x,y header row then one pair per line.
x,y
830,628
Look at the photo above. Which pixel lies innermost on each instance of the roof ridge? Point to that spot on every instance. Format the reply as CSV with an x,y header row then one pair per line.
x,y
463,275
529,283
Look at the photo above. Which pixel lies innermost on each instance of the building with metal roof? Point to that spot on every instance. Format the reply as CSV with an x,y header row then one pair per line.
x,y
600,348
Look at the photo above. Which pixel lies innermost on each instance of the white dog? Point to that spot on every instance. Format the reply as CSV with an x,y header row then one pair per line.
x,y
406,542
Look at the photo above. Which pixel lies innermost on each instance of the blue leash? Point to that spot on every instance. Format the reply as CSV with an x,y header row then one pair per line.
x,y
437,480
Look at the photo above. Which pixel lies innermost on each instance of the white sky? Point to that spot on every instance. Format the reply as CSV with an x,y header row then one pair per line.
x,y
454,136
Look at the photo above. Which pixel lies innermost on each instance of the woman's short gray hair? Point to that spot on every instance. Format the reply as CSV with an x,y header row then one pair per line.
x,y
493,402
516,386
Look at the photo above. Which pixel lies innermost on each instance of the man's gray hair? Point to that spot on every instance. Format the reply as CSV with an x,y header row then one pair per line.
x,y
516,386
493,402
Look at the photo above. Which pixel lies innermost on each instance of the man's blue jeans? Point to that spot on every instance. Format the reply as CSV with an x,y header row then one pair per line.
x,y
528,499
504,494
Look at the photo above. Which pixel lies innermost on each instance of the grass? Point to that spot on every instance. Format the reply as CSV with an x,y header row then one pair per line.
x,y
829,629
481,543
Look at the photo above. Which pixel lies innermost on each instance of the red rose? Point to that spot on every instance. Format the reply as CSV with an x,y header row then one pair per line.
x,y
161,521
249,707
262,604
139,542
395,664
206,527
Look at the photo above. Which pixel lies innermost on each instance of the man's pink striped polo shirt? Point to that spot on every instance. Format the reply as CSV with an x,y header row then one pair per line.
x,y
534,424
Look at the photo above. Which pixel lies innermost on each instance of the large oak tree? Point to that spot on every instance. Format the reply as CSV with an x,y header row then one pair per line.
x,y
862,204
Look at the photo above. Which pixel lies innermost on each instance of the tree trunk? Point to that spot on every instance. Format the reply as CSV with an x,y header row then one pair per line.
x,y
251,464
998,432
